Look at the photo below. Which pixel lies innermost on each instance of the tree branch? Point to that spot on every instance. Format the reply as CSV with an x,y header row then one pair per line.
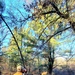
x,y
48,12
65,16
48,25
14,39
54,35
67,6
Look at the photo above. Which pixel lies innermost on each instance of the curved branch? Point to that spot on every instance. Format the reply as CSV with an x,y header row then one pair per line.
x,y
54,35
14,39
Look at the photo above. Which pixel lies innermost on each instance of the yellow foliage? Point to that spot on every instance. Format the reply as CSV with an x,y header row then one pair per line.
x,y
54,42
40,6
42,17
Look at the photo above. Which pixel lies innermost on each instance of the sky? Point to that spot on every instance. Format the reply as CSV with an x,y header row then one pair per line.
x,y
9,4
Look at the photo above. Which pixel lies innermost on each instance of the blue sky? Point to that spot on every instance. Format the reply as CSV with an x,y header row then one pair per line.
x,y
12,6
9,4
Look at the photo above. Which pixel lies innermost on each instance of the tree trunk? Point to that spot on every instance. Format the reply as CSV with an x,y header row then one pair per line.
x,y
50,65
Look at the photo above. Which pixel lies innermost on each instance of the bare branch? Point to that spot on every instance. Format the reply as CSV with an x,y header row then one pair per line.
x,y
54,35
14,39
65,16
48,12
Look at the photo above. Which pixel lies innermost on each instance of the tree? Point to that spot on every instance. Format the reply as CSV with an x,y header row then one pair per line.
x,y
50,11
